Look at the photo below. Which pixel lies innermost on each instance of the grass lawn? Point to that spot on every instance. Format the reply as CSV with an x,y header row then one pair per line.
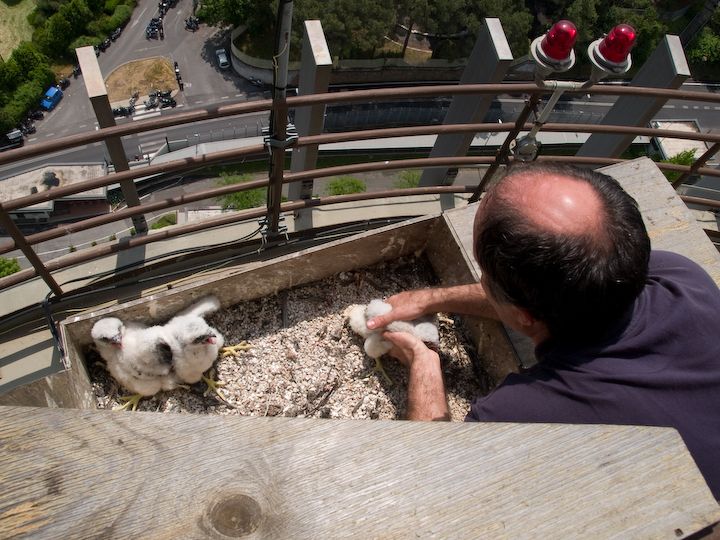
x,y
14,27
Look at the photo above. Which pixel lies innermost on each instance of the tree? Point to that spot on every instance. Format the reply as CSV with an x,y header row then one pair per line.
x,y
230,12
411,13
55,36
706,47
584,14
643,17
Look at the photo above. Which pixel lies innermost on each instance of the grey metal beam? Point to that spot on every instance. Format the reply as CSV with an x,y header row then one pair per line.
x,y
97,92
315,70
489,61
665,68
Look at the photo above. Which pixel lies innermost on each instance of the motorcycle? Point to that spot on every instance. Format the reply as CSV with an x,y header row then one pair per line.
x,y
192,24
167,102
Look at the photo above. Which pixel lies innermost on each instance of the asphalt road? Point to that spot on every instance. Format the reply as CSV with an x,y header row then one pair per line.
x,y
204,83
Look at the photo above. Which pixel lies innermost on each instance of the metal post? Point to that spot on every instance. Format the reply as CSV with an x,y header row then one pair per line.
x,y
488,63
7,222
665,68
97,92
699,162
278,116
501,157
315,70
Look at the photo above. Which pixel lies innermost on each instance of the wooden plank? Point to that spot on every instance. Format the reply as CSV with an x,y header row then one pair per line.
x,y
77,474
670,224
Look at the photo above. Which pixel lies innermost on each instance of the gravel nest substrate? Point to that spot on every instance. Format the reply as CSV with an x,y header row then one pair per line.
x,y
304,359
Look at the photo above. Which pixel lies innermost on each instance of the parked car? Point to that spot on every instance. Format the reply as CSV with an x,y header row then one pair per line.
x,y
222,58
51,98
13,139
116,33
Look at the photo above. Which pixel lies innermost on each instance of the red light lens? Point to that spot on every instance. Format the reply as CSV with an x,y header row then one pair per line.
x,y
617,44
558,42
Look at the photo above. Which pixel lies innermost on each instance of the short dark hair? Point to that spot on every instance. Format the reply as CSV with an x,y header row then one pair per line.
x,y
577,284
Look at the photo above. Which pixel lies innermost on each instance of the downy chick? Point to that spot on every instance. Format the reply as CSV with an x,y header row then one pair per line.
x,y
425,328
195,344
138,357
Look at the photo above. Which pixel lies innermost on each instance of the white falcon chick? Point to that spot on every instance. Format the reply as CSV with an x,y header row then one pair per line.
x,y
424,328
195,344
138,357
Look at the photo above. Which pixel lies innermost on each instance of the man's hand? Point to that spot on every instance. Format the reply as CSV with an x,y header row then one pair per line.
x,y
406,306
406,347
426,390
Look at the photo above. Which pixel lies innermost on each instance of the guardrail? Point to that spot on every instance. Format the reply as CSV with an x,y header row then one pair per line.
x,y
502,156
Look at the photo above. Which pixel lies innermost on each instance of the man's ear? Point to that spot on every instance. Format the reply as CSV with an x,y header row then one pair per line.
x,y
523,317
526,323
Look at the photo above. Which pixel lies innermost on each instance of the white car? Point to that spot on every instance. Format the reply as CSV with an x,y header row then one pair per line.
x,y
222,58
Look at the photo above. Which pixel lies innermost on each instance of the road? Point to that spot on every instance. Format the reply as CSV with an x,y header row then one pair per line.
x,y
204,83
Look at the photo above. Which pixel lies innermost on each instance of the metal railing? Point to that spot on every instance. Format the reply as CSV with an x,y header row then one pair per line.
x,y
25,243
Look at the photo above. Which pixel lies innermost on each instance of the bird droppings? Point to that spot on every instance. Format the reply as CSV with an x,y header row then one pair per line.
x,y
301,358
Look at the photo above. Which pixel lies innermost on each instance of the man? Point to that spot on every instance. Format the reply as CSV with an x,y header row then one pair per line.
x,y
622,335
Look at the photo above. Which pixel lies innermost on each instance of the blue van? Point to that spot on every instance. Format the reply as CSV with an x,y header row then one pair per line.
x,y
51,98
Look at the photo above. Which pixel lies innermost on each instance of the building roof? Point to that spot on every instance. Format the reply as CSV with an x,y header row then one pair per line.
x,y
48,177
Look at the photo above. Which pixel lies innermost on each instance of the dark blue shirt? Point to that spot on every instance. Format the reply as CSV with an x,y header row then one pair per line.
x,y
661,368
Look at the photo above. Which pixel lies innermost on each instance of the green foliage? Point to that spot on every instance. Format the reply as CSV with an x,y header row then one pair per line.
x,y
232,12
240,200
164,221
706,47
8,266
345,185
643,17
686,157
408,179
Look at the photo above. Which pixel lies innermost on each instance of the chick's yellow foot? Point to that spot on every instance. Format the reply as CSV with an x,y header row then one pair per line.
x,y
212,384
232,350
130,402
381,370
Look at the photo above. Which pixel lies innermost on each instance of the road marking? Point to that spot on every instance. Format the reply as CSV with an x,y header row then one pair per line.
x,y
146,115
33,139
685,107
706,107
239,95
82,125
224,97
696,107
49,135
137,20
199,102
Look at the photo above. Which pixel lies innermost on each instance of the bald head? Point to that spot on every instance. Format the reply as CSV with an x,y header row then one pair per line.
x,y
554,202
567,244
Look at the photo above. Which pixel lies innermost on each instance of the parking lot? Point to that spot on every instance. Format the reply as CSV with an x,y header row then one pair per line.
x,y
204,82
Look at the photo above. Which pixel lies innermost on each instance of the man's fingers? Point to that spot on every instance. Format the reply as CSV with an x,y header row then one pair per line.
x,y
378,322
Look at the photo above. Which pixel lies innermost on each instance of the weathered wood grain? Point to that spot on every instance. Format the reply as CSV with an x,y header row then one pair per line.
x,y
98,474
670,224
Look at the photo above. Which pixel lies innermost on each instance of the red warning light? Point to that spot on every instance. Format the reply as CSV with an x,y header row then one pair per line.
x,y
558,42
616,46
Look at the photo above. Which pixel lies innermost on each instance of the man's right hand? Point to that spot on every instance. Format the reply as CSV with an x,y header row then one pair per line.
x,y
406,306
